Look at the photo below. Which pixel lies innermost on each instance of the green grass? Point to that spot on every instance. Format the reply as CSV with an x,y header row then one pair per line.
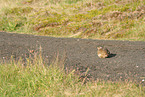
x,y
38,79
107,19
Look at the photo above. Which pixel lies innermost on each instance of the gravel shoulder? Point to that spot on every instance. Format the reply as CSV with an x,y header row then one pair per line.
x,y
127,61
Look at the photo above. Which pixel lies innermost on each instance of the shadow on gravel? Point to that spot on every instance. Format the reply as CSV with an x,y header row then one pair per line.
x,y
111,55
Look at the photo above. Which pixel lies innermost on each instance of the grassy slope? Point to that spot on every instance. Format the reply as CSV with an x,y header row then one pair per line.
x,y
107,19
36,79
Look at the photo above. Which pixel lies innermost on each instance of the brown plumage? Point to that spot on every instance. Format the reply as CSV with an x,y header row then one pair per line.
x,y
103,52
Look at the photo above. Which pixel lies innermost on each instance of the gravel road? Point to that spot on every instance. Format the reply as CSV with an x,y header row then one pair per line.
x,y
127,61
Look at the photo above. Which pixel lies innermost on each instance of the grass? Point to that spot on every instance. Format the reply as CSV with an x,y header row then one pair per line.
x,y
97,19
43,80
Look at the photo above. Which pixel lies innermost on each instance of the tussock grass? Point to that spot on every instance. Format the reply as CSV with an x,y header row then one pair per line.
x,y
107,19
38,79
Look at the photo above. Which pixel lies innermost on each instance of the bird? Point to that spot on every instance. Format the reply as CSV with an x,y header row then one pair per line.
x,y
103,52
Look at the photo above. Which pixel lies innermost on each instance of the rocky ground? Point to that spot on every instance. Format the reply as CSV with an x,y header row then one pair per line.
x,y
127,61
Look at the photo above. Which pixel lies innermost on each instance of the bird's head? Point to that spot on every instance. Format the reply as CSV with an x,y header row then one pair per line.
x,y
99,47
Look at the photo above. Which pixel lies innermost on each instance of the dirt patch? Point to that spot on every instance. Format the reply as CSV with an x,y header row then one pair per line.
x,y
127,61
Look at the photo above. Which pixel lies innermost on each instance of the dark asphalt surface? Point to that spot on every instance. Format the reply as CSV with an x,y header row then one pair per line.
x,y
127,61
